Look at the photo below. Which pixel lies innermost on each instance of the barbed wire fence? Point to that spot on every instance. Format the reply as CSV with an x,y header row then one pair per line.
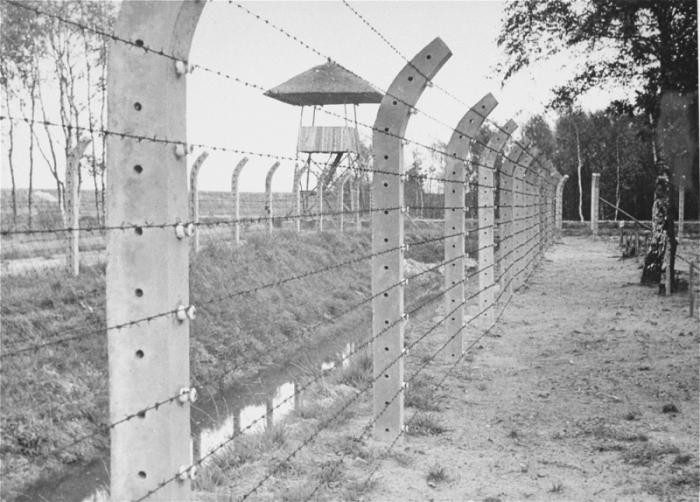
x,y
131,277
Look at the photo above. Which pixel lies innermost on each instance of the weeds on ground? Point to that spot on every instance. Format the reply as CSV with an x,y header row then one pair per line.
x,y
646,454
421,395
425,424
556,488
358,374
437,474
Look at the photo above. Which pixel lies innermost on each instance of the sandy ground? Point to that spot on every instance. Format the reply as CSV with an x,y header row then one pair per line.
x,y
565,400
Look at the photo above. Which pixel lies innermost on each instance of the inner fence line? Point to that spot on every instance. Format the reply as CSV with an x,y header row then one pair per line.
x,y
228,296
141,45
641,224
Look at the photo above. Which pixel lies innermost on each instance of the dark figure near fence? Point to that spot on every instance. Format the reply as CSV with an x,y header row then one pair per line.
x,y
661,252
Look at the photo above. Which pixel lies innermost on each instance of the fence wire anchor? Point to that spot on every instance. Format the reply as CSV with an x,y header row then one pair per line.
x,y
187,472
187,395
181,231
185,312
180,68
180,150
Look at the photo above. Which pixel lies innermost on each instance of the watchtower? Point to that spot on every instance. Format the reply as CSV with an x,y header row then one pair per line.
x,y
327,147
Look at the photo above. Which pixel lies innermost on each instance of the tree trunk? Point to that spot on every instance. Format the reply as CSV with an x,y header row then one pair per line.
x,y
32,97
617,179
10,150
663,236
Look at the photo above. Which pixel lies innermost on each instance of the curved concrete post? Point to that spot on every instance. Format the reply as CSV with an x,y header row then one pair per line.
x,y
520,216
194,198
487,220
532,189
268,194
559,202
542,183
388,236
458,149
296,188
341,199
72,192
147,269
506,244
237,200
595,202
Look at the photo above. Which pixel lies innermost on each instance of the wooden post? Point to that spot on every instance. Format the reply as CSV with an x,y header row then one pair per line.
x,y
691,289
357,207
595,194
487,220
298,173
237,200
341,199
681,207
268,194
147,268
459,148
319,187
194,198
72,192
559,201
388,234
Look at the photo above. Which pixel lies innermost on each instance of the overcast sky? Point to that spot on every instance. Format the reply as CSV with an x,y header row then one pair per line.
x,y
221,112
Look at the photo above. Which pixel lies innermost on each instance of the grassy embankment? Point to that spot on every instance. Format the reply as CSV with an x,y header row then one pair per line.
x,y
59,393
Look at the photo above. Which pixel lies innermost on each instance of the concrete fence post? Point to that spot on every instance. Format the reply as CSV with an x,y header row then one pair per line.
x,y
458,149
595,202
388,236
559,202
72,192
194,198
268,195
532,218
506,197
487,220
235,194
521,216
147,269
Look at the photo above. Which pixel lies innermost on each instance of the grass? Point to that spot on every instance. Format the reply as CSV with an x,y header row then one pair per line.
x,y
647,453
556,488
437,474
60,393
425,424
358,374
421,395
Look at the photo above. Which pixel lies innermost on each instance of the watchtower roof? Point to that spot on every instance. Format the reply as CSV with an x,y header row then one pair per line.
x,y
326,84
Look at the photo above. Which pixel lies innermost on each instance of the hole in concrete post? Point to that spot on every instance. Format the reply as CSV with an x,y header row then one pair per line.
x,y
142,474
138,292
139,354
138,169
137,106
139,42
138,230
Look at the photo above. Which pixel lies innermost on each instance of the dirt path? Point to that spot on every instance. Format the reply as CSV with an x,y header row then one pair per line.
x,y
565,401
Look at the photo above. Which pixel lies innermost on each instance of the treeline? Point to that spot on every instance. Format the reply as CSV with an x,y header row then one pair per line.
x,y
51,71
621,147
